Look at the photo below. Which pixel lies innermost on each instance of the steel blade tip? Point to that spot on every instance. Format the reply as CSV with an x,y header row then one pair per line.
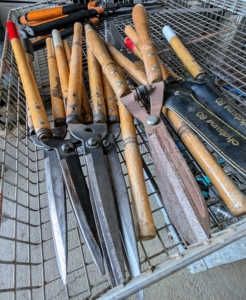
x,y
140,295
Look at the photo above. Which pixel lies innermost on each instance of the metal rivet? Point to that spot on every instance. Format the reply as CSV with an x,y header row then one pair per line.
x,y
119,83
37,107
152,87
41,122
108,98
97,95
150,54
176,93
66,148
152,120
92,142
113,71
154,68
111,110
105,143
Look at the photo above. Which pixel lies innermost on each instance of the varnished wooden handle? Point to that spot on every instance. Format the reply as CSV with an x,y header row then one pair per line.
x,y
62,66
183,54
140,202
29,58
109,67
228,191
148,50
86,110
39,118
74,103
96,90
167,75
58,110
127,65
110,101
68,52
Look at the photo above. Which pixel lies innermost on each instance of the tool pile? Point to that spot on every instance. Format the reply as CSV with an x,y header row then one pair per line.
x,y
101,205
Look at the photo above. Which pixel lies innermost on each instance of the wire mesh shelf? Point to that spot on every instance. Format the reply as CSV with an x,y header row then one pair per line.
x,y
215,35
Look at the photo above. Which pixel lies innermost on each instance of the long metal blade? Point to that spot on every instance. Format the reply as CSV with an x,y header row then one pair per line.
x,y
125,215
79,195
123,204
106,211
57,208
118,42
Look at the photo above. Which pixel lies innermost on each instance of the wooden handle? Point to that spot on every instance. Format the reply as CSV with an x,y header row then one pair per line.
x,y
145,222
131,33
96,90
183,54
74,103
62,66
126,64
29,58
39,118
228,191
116,80
68,52
110,102
133,44
148,50
58,110
86,110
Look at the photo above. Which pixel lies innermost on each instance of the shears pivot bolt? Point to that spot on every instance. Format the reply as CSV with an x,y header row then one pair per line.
x,y
92,143
152,120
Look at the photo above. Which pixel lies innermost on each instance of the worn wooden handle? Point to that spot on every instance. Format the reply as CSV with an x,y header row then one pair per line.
x,y
96,90
58,110
73,111
130,68
68,52
140,202
110,101
39,118
183,54
133,44
61,61
228,191
148,50
86,110
116,80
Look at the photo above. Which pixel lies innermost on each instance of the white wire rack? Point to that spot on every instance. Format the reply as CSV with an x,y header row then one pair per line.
x,y
215,35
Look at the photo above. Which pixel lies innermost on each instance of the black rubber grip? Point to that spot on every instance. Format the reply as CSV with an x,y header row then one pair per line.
x,y
64,34
46,28
68,9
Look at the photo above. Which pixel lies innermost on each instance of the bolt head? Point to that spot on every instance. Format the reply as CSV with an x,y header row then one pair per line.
x,y
152,120
92,142
66,148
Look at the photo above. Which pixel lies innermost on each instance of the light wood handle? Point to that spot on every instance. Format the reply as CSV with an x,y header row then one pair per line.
x,y
127,65
145,222
110,101
109,67
183,54
86,111
68,52
39,118
29,58
148,50
62,66
228,191
58,110
96,90
167,75
74,103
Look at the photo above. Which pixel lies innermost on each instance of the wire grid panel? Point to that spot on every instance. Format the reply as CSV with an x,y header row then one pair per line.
x,y
28,266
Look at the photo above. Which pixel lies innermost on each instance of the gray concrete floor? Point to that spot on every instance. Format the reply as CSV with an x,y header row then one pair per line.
x,y
220,283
